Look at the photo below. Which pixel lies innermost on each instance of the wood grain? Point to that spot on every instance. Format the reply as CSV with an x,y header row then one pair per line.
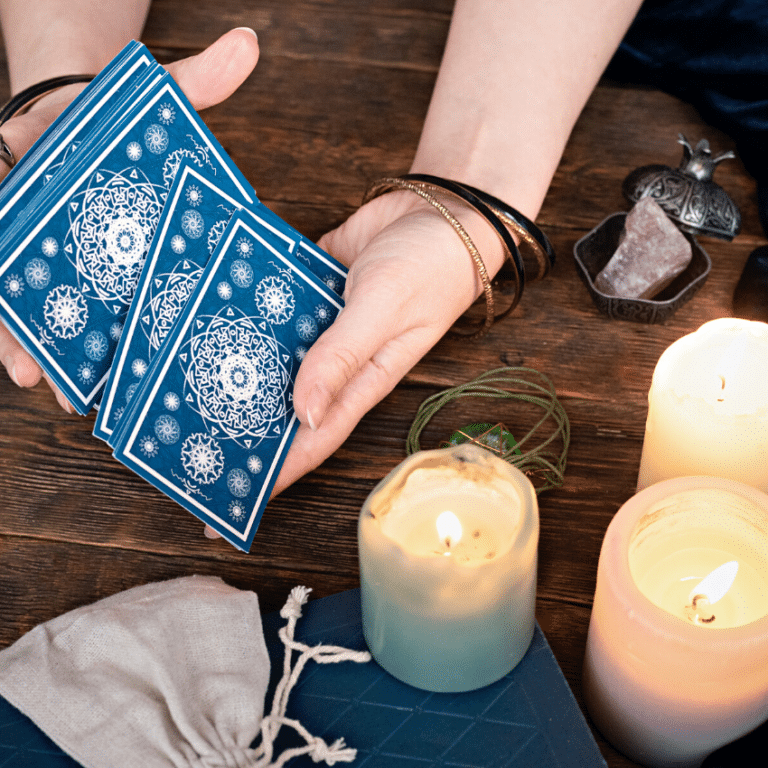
x,y
337,100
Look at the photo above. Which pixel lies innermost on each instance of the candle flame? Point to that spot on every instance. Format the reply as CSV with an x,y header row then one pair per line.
x,y
449,528
714,585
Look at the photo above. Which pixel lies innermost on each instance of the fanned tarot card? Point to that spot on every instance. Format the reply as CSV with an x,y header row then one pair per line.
x,y
212,421
71,269
61,139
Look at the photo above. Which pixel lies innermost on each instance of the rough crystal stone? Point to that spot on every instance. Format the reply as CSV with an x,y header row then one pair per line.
x,y
652,252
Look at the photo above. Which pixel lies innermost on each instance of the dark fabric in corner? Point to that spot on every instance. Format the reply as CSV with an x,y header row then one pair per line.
x,y
713,54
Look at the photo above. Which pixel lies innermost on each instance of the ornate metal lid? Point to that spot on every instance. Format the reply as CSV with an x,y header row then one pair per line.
x,y
687,193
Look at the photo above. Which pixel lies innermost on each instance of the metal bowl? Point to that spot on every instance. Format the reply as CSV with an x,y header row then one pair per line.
x,y
593,251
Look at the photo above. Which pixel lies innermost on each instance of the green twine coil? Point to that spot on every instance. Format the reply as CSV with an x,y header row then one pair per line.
x,y
540,460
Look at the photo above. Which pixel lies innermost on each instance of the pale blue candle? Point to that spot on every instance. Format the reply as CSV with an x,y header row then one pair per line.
x,y
447,609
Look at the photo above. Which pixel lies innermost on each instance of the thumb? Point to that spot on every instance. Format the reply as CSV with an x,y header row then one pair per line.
x,y
217,72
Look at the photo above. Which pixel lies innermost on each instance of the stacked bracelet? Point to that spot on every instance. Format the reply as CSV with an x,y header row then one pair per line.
x,y
498,214
23,99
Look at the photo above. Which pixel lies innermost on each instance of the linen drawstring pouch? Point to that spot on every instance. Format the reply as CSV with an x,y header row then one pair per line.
x,y
167,675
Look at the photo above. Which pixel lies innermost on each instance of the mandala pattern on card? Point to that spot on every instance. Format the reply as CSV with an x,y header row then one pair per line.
x,y
167,296
156,139
178,244
167,429
275,300
171,401
237,510
245,247
323,314
166,114
49,247
139,367
192,224
65,312
202,458
236,374
306,327
148,446
111,224
96,345
194,195
241,273
14,286
37,273
134,151
333,283
86,372
238,483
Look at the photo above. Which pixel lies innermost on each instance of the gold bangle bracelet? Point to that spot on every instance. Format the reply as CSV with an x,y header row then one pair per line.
x,y
425,187
390,183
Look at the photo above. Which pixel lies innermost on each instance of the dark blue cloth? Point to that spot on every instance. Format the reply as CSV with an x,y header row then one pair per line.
x,y
713,54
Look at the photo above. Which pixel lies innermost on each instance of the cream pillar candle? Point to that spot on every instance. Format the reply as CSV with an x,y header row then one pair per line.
x,y
676,663
448,546
708,406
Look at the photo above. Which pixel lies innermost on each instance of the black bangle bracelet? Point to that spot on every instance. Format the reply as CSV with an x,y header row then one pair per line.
x,y
518,222
15,104
454,189
468,196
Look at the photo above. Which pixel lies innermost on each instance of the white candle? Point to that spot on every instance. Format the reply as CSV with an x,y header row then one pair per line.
x,y
708,406
676,663
448,568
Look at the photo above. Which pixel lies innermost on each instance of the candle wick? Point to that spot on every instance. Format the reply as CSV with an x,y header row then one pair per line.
x,y
694,611
722,388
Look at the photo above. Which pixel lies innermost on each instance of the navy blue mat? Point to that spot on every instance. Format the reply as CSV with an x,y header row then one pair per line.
x,y
527,719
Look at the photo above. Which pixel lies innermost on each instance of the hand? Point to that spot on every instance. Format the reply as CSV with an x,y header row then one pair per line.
x,y
206,79
411,277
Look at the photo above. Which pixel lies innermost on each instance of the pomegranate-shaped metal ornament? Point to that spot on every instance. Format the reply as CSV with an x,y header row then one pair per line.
x,y
687,193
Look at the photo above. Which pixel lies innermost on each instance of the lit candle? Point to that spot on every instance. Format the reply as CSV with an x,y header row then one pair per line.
x,y
676,663
448,568
708,406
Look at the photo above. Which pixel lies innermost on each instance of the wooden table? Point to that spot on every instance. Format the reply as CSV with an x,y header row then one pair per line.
x,y
337,100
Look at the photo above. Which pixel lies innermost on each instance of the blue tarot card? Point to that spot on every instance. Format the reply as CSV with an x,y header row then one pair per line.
x,y
332,272
61,139
213,419
69,272
193,220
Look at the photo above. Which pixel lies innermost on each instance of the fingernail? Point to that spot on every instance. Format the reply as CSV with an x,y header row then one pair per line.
x,y
11,368
248,29
63,402
210,533
317,406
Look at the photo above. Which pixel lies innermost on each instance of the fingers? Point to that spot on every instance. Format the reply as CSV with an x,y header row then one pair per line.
x,y
217,72
22,369
375,312
374,381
